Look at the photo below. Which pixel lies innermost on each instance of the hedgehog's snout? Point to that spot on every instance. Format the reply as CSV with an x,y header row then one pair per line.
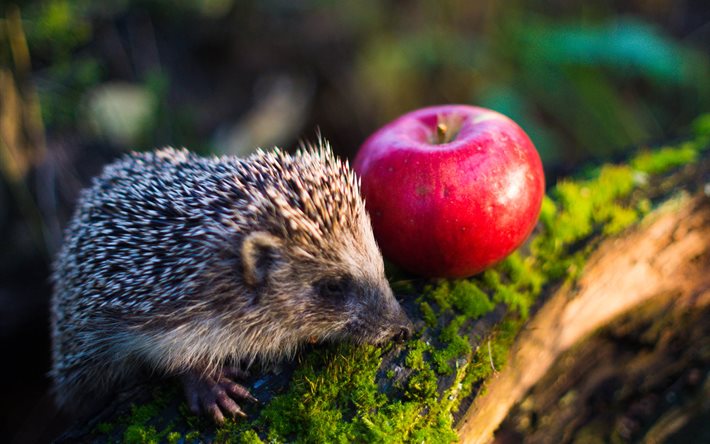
x,y
403,328
405,332
389,322
398,331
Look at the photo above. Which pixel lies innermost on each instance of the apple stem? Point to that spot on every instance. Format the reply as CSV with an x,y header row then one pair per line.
x,y
447,128
441,130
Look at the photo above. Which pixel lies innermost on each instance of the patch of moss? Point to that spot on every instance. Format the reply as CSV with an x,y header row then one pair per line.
x,y
143,423
582,205
644,206
515,301
428,314
173,437
575,219
141,414
470,300
415,355
456,346
334,398
330,394
548,211
422,385
661,160
617,218
515,295
583,209
192,436
452,331
249,437
492,354
137,434
522,273
439,294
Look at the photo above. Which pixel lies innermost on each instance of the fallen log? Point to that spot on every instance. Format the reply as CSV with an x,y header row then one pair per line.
x,y
644,377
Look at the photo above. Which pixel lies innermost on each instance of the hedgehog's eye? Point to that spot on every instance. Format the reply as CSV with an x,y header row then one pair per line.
x,y
332,288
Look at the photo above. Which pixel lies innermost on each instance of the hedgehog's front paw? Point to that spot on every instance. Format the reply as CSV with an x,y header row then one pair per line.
x,y
214,395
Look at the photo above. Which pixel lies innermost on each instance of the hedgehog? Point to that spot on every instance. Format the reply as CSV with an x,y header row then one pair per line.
x,y
195,267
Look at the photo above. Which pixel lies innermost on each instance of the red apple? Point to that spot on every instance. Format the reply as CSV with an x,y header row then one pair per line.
x,y
451,189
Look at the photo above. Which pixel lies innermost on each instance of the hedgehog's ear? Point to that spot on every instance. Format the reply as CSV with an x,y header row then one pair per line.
x,y
260,253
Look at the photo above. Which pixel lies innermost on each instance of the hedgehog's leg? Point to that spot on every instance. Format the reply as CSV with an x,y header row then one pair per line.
x,y
215,395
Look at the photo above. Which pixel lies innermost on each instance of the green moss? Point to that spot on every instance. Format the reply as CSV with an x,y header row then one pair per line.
x,y
250,437
575,221
334,398
583,209
456,345
661,160
492,354
141,414
144,423
614,181
517,294
173,437
415,355
443,359
137,434
514,267
192,436
451,332
548,211
523,274
583,204
515,301
422,385
617,218
428,314
468,299
331,394
644,206
439,294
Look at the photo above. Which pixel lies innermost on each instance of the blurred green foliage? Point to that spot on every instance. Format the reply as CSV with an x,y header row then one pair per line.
x,y
581,90
585,81
56,27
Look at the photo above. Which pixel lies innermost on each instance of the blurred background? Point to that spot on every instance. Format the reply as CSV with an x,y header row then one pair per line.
x,y
81,82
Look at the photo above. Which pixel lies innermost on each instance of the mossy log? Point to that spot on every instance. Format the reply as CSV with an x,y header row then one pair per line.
x,y
607,241
645,377
668,254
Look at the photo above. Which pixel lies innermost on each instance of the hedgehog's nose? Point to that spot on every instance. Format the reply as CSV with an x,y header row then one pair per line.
x,y
404,333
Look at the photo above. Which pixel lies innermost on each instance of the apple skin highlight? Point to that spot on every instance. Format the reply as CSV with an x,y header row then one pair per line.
x,y
450,207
